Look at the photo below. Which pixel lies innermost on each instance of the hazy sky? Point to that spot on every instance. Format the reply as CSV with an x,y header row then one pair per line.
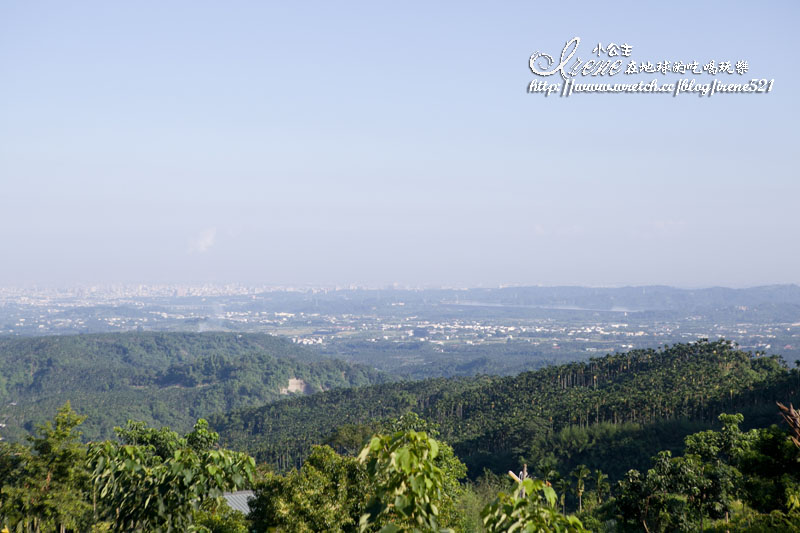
x,y
382,142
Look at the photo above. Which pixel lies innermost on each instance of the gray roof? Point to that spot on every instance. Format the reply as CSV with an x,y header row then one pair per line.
x,y
238,500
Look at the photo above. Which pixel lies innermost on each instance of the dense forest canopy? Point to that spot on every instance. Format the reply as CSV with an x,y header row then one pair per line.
x,y
627,442
161,378
622,405
404,479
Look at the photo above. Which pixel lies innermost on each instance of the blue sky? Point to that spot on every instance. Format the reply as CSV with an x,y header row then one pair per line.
x,y
373,143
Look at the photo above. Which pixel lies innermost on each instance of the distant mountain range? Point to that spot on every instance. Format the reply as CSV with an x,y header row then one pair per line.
x,y
647,298
782,299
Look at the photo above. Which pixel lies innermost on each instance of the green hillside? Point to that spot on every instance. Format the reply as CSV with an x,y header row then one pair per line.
x,y
614,412
161,378
622,443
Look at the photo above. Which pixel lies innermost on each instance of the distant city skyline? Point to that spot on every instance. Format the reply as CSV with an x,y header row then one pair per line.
x,y
327,145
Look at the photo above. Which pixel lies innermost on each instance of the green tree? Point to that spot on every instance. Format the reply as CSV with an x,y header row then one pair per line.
x,y
162,442
601,485
45,486
138,490
446,459
215,516
531,507
328,493
580,474
409,485
562,485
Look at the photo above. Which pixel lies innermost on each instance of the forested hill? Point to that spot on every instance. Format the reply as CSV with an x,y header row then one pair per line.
x,y
161,378
604,410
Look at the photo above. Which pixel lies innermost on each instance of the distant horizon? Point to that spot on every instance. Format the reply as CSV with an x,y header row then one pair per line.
x,y
357,286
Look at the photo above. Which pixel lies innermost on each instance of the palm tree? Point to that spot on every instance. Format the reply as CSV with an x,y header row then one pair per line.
x,y
601,485
562,486
580,474
547,468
